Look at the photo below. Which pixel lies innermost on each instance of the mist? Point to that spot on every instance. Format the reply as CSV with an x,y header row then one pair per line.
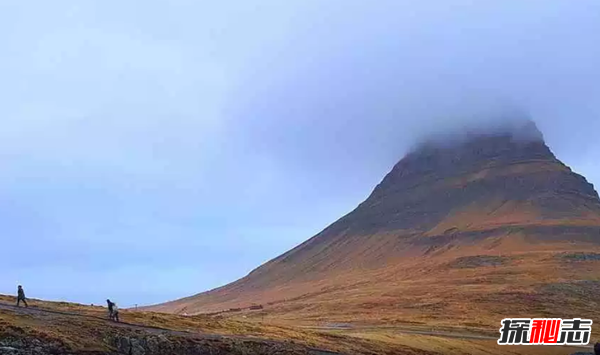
x,y
152,151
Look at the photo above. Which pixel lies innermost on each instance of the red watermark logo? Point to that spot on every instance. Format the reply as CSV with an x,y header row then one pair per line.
x,y
545,331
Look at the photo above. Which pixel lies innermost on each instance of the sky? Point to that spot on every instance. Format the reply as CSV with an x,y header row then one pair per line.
x,y
151,150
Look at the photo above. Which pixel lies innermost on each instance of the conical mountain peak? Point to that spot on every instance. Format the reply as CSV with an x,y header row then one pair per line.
x,y
489,189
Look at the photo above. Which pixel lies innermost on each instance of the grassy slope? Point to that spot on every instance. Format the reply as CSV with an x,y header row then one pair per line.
x,y
469,286
86,331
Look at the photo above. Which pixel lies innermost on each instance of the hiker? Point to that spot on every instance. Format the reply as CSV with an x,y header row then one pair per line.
x,y
110,309
21,296
113,311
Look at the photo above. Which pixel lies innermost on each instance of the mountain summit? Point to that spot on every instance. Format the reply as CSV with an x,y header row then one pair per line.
x,y
446,213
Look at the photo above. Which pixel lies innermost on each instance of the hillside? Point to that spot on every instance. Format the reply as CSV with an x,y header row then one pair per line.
x,y
459,232
61,328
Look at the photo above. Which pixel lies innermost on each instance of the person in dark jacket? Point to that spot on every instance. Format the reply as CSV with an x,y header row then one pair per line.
x,y
110,309
21,296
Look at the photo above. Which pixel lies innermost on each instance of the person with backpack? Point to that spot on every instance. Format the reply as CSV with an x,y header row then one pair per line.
x,y
113,311
21,296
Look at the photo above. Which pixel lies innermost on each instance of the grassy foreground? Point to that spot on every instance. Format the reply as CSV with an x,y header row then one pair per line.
x,y
85,330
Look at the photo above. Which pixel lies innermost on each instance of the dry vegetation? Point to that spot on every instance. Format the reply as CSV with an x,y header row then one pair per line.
x,y
85,327
451,289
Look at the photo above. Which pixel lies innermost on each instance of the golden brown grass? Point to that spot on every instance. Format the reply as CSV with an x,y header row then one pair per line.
x,y
435,290
84,329
370,337
459,346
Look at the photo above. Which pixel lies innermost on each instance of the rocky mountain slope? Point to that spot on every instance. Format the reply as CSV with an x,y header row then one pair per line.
x,y
458,229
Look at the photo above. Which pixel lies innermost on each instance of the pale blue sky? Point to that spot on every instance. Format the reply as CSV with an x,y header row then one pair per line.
x,y
151,150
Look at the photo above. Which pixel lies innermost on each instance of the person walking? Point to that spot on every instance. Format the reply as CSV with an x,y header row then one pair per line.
x,y
110,309
21,296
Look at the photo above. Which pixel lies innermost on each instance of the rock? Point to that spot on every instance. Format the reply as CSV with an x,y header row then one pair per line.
x,y
7,350
137,346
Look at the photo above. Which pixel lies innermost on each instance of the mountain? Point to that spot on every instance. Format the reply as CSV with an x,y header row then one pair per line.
x,y
466,228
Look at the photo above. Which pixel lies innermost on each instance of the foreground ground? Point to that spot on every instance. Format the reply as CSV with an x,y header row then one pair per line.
x,y
66,328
